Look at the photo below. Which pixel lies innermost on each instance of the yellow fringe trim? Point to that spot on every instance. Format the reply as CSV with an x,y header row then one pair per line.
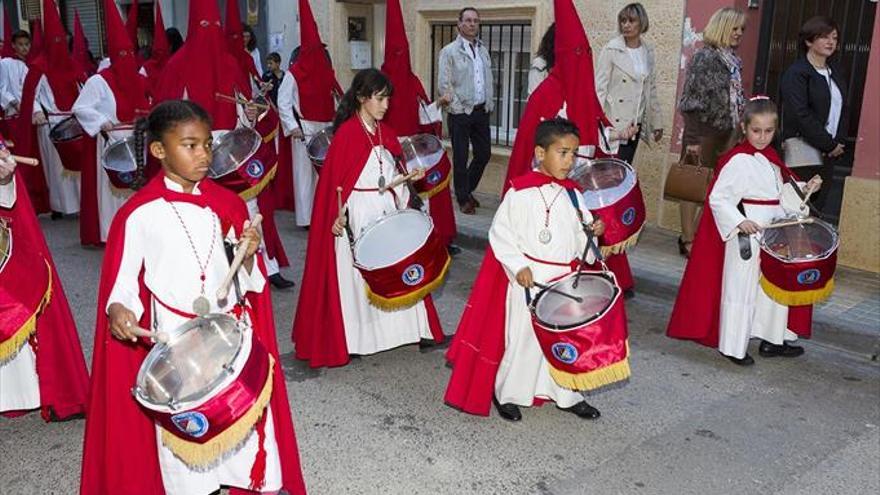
x,y
9,348
395,303
622,245
797,298
253,191
436,189
69,174
270,136
592,380
201,456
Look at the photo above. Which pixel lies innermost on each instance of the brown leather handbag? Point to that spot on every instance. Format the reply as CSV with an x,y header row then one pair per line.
x,y
688,180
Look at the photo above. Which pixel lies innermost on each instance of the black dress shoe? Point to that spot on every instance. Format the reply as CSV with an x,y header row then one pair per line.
x,y
746,361
280,282
453,249
510,412
468,208
583,410
768,349
629,294
56,215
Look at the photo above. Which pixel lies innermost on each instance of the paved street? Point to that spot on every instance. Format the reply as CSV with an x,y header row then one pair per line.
x,y
688,421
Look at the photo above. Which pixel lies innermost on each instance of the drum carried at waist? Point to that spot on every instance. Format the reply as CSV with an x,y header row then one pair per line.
x,y
70,141
244,159
585,342
425,151
798,261
612,193
206,387
25,289
317,147
401,259
119,160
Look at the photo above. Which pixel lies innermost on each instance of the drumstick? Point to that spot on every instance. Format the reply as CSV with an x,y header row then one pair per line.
x,y
573,297
789,224
263,93
221,96
398,181
223,291
25,160
809,192
339,202
161,337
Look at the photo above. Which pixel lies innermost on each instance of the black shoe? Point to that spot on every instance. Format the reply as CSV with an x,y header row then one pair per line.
x,y
629,294
280,282
453,249
56,215
583,410
746,361
684,247
768,350
510,412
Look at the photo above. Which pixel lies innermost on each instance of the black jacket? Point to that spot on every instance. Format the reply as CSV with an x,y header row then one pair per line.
x,y
806,101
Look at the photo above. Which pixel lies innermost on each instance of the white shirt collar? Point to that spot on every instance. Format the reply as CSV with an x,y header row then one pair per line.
x,y
174,186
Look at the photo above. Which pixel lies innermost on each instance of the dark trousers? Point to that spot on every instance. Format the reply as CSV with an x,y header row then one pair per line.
x,y
466,131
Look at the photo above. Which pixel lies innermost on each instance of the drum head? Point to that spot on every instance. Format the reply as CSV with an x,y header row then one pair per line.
x,y
560,312
232,150
604,181
421,151
803,242
319,144
66,130
192,363
120,156
392,238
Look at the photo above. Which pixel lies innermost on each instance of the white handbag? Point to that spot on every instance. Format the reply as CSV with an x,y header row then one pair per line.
x,y
800,154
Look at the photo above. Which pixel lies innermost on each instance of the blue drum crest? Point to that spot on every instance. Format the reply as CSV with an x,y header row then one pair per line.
x,y
125,177
434,177
629,216
809,277
193,423
255,169
565,352
414,274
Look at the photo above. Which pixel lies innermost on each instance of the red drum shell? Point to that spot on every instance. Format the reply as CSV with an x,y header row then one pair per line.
x,y
70,142
255,173
623,219
25,281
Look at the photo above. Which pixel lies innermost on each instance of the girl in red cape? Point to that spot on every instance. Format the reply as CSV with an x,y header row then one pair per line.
x,y
720,302
334,318
47,370
165,249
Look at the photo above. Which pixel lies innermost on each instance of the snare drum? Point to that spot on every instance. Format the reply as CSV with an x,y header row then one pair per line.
x,y
244,159
69,139
206,387
425,151
585,343
317,147
612,192
401,259
120,162
798,262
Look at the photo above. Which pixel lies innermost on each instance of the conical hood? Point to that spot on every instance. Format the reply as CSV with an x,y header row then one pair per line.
x,y
314,74
36,40
403,109
161,50
309,36
131,23
80,47
235,39
7,36
61,71
122,76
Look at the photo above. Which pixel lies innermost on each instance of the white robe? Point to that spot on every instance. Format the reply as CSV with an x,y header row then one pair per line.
x,y
156,241
369,329
19,384
746,311
304,176
524,372
94,107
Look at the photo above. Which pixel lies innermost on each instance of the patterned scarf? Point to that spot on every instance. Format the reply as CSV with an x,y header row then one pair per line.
x,y
737,98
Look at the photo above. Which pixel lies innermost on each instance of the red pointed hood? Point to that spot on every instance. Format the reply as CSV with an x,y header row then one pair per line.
x,y
403,110
36,40
61,71
235,39
80,51
122,76
161,50
131,23
314,74
7,37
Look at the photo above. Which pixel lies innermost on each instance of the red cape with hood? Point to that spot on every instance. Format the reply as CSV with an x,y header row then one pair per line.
x,y
80,48
8,51
64,76
235,41
314,75
403,110
159,53
697,309
318,329
128,86
120,450
60,365
478,345
36,40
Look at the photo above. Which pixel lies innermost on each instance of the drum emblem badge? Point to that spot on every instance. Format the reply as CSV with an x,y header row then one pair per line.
x,y
629,216
126,177
255,169
413,275
193,423
565,352
809,277
434,177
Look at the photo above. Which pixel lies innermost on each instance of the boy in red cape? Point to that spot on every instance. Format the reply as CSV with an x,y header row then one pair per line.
x,y
720,303
166,249
45,366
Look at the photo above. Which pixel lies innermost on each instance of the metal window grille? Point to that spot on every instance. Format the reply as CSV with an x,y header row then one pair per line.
x,y
509,46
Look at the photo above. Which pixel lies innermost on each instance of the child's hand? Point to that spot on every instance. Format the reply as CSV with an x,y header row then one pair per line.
x,y
815,184
598,227
749,227
253,239
122,321
339,225
524,278
7,165
420,174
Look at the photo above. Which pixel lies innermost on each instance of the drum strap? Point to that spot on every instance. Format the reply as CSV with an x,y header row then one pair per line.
x,y
229,249
591,245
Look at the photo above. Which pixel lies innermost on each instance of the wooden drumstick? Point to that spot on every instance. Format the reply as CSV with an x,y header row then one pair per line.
x,y
223,291
25,160
161,337
789,224
339,202
221,96
398,181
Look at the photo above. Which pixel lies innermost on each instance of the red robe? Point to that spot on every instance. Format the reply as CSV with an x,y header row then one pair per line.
x,y
61,368
697,309
318,328
24,136
120,451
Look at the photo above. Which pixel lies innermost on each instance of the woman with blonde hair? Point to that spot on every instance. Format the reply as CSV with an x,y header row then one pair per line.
x,y
711,101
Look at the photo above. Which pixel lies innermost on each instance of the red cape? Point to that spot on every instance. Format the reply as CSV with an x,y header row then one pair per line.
x,y
315,79
318,329
116,426
282,186
697,309
60,364
478,344
24,135
89,219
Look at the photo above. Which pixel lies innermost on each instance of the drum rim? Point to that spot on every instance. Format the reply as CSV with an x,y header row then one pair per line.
x,y
432,136
121,142
357,242
6,256
321,132
586,193
556,328
66,140
835,245
189,402
253,151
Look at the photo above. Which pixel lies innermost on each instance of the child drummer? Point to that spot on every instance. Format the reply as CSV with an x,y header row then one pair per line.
x,y
537,235
164,262
720,303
